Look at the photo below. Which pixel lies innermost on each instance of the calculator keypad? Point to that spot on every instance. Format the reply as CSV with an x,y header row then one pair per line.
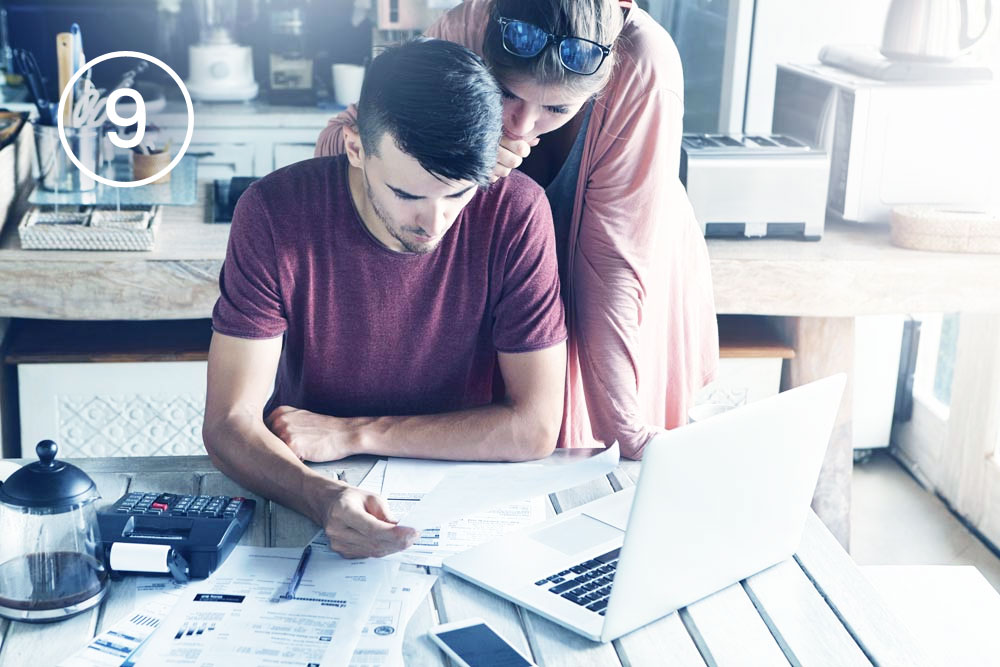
x,y
172,504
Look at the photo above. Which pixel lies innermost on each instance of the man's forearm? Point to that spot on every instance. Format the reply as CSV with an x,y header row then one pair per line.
x,y
491,433
244,449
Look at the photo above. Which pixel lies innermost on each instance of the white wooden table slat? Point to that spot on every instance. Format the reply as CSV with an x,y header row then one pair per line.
x,y
663,642
47,643
555,646
729,631
881,635
796,613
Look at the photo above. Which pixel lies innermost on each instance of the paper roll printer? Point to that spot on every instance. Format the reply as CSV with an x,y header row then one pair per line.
x,y
753,186
185,536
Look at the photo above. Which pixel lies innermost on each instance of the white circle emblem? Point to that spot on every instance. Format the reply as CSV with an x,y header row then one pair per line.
x,y
62,129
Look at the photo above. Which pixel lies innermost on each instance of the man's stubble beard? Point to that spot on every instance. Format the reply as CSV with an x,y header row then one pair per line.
x,y
420,249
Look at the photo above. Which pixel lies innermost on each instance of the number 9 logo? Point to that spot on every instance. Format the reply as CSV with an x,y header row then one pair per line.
x,y
138,119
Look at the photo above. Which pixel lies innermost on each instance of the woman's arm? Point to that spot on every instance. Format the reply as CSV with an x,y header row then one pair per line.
x,y
638,237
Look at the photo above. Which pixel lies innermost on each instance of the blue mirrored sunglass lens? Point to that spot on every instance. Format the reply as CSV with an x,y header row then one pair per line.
x,y
580,56
524,39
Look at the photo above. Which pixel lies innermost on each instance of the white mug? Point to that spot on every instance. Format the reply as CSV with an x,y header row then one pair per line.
x,y
347,80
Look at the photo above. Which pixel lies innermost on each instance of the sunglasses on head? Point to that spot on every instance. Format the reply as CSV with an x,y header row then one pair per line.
x,y
526,40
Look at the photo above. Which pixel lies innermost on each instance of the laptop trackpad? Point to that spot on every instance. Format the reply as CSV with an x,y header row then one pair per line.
x,y
576,534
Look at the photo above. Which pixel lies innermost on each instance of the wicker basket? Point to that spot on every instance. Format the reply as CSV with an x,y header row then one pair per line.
x,y
132,228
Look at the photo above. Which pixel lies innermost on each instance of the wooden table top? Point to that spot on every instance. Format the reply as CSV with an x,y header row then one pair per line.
x,y
814,609
853,271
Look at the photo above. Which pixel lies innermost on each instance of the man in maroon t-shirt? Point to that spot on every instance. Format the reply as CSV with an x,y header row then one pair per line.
x,y
380,291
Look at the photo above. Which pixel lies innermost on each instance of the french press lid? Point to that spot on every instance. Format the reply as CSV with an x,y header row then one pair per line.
x,y
47,484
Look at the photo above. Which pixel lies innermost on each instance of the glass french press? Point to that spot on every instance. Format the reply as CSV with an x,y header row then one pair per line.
x,y
51,565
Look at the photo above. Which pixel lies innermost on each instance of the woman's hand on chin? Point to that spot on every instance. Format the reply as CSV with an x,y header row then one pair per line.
x,y
511,155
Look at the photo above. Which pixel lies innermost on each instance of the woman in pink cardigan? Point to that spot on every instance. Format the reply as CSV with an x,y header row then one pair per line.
x,y
596,121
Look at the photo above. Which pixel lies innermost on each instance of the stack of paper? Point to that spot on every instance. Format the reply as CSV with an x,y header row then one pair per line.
x,y
235,615
404,482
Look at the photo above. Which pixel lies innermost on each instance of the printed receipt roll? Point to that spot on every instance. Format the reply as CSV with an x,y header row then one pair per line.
x,y
127,557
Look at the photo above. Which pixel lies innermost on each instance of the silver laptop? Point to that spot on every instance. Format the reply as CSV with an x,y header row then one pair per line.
x,y
716,502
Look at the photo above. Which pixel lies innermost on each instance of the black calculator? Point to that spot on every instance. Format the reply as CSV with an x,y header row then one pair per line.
x,y
201,530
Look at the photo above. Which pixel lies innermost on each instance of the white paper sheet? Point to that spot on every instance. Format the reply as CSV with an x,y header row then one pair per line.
x,y
234,618
403,482
381,642
472,488
115,645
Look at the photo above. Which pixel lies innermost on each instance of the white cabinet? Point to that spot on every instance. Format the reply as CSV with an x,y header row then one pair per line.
x,y
246,139
286,154
222,160
113,409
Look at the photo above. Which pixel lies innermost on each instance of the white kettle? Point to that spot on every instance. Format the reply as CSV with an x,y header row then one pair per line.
x,y
930,30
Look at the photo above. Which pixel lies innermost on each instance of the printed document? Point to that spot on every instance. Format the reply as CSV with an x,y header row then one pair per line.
x,y
155,597
403,482
381,642
235,616
465,489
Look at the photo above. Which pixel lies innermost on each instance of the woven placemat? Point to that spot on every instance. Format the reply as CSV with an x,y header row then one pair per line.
x,y
86,228
945,230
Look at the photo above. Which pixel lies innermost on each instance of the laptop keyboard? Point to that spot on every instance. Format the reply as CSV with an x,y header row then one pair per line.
x,y
587,584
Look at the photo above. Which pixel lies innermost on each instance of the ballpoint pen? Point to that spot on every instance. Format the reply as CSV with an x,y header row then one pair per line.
x,y
293,584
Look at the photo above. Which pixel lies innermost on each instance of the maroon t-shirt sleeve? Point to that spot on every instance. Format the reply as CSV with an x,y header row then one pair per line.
x,y
529,313
249,304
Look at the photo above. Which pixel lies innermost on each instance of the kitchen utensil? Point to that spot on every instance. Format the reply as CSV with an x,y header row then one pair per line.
x,y
930,30
6,53
51,564
64,58
146,165
91,108
56,171
78,57
28,67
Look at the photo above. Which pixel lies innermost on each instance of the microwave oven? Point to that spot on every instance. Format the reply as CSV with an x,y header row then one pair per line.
x,y
893,143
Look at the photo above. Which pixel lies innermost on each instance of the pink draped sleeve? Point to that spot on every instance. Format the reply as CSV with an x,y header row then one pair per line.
x,y
643,307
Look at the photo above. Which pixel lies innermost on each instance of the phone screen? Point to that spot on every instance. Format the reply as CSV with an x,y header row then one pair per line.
x,y
479,646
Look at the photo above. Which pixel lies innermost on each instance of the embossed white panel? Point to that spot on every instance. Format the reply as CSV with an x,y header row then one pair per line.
x,y
113,409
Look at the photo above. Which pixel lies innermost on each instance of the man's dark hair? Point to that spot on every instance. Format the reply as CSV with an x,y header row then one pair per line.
x,y
439,102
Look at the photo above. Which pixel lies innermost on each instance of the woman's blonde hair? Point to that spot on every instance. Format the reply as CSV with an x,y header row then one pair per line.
x,y
600,21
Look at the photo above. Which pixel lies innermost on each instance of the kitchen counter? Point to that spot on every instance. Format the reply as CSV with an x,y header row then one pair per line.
x,y
852,271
